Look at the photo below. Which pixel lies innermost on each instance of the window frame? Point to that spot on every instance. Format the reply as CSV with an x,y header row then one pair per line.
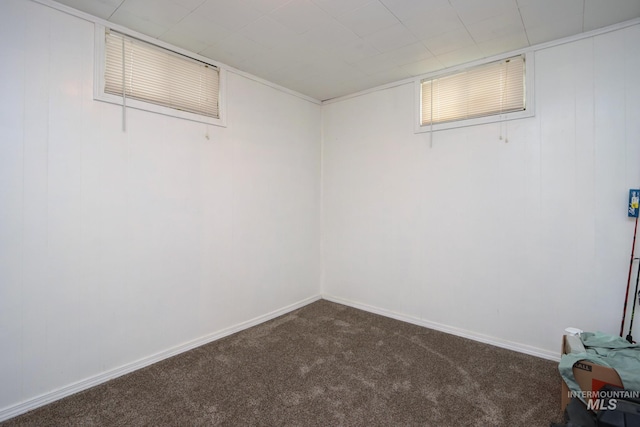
x,y
99,93
529,110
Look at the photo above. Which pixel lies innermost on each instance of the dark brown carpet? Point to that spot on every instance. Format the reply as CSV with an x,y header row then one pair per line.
x,y
323,365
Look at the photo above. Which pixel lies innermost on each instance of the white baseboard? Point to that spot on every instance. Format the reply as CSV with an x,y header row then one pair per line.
x,y
43,399
509,345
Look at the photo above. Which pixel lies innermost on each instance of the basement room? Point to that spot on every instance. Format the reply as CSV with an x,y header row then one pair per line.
x,y
319,213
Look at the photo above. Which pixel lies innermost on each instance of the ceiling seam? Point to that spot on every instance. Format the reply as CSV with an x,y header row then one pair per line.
x,y
407,28
464,25
182,19
524,27
116,9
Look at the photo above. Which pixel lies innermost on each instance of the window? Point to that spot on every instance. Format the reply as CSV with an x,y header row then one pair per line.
x,y
137,74
489,92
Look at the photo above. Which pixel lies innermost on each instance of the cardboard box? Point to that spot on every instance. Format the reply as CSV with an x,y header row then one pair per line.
x,y
590,377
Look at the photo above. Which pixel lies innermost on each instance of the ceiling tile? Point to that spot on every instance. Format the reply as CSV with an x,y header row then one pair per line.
x,y
391,59
368,19
539,13
100,8
497,26
229,14
504,44
188,4
137,23
438,22
471,11
460,56
423,67
327,48
391,38
264,63
328,87
355,51
384,77
161,12
555,29
600,13
301,16
270,33
449,42
313,89
331,36
334,71
196,32
374,64
233,50
339,7
333,81
407,54
346,88
296,72
264,6
405,10
183,40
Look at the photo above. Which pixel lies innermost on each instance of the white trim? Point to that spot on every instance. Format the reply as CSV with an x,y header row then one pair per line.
x,y
531,49
43,399
272,85
509,345
99,21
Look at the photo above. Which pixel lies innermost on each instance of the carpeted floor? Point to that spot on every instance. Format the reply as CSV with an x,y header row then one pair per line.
x,y
324,365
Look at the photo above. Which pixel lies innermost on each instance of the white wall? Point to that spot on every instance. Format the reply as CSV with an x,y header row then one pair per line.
x,y
508,242
117,246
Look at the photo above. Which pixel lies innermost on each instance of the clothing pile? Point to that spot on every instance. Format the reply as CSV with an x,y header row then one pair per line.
x,y
619,407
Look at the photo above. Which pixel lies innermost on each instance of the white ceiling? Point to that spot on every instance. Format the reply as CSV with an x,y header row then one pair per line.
x,y
329,48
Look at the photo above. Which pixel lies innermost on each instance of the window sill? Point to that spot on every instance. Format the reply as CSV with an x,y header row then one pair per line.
x,y
475,122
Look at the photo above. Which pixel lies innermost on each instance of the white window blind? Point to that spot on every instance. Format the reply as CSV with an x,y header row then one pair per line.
x,y
489,89
159,76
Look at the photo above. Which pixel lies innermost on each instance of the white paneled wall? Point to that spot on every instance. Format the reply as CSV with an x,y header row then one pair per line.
x,y
508,242
117,246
